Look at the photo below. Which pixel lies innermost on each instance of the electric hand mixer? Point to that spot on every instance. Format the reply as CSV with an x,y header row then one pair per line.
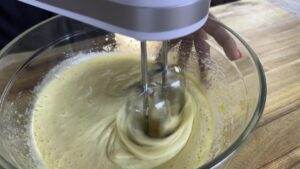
x,y
144,20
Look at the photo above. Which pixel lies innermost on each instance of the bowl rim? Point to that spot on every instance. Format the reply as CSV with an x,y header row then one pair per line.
x,y
3,51
235,145
257,112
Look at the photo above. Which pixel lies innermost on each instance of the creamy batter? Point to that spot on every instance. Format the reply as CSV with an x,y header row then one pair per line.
x,y
79,119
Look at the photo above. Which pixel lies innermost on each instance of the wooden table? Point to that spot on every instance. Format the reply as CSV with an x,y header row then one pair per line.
x,y
274,33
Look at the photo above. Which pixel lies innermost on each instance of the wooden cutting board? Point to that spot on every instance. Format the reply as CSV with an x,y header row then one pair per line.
x,y
274,33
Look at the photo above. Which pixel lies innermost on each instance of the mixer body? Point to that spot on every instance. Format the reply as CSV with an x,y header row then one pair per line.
x,y
143,20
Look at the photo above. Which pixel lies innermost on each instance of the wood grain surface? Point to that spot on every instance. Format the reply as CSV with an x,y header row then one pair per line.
x,y
274,33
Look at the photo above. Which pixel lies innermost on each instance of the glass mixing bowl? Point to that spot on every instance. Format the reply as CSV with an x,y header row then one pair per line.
x,y
236,89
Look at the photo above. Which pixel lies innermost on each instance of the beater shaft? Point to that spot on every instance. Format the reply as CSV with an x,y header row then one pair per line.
x,y
144,71
165,63
157,115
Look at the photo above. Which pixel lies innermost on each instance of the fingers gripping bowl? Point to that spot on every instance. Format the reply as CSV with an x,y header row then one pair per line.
x,y
231,97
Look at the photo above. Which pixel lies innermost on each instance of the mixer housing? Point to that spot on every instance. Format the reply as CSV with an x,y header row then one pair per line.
x,y
140,19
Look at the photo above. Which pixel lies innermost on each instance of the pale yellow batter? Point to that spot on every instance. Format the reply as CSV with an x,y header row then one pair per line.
x,y
79,119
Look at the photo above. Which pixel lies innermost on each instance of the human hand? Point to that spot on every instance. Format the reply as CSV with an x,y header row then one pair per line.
x,y
198,39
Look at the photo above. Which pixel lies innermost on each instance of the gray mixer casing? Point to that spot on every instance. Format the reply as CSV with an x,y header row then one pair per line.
x,y
141,19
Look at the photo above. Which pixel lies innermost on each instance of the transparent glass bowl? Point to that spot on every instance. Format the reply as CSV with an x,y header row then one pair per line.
x,y
28,58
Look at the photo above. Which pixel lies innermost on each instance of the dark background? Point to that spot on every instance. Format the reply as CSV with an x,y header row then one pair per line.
x,y
16,17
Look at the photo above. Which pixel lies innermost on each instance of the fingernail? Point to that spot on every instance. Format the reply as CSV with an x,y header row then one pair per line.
x,y
237,55
240,54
